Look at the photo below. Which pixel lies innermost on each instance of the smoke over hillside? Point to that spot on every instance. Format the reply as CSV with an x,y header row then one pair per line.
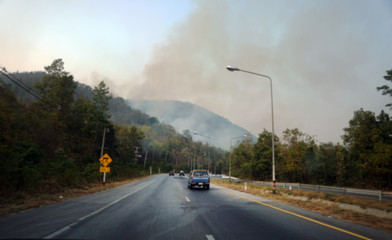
x,y
187,116
315,54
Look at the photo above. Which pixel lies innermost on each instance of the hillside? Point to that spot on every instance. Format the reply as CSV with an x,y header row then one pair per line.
x,y
181,115
187,116
120,112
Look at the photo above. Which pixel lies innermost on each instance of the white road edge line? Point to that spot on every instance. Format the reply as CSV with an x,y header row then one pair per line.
x,y
210,237
60,231
187,199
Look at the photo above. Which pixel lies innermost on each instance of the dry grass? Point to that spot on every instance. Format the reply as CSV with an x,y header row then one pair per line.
x,y
24,201
328,207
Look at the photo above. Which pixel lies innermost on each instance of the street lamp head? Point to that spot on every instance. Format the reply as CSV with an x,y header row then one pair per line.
x,y
232,69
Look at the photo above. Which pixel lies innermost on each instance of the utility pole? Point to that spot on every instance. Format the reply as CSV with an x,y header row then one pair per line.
x,y
102,147
145,158
103,141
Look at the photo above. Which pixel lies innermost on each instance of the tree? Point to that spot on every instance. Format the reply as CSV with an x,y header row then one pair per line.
x,y
368,139
262,163
101,100
82,130
242,159
387,90
55,106
57,88
187,134
326,165
295,151
128,138
341,162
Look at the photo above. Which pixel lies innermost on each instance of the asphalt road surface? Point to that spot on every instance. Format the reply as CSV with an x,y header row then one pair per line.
x,y
162,207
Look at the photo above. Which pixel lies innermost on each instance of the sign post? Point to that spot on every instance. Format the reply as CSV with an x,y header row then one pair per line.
x,y
159,169
150,170
105,161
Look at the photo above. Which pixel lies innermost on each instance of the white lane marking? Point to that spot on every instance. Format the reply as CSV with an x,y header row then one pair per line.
x,y
60,231
210,237
187,199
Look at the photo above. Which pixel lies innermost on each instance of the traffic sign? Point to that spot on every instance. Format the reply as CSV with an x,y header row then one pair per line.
x,y
105,160
104,169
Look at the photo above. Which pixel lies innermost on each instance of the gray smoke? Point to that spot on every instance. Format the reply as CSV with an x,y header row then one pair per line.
x,y
321,56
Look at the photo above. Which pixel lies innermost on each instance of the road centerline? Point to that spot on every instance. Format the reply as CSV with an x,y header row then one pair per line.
x,y
298,215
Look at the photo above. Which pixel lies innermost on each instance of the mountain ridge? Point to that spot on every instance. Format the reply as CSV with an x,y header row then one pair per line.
x,y
188,116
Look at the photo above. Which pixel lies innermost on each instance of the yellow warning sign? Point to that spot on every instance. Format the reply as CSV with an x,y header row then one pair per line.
x,y
104,169
105,160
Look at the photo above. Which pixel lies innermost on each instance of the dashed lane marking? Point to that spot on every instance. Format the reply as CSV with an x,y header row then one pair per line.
x,y
210,237
66,228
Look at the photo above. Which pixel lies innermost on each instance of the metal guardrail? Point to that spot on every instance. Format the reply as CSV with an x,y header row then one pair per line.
x,y
382,195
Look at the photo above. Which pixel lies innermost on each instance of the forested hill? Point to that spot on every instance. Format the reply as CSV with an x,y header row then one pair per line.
x,y
119,110
187,116
181,115
54,130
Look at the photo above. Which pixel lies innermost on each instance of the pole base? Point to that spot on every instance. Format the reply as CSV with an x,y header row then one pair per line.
x,y
274,187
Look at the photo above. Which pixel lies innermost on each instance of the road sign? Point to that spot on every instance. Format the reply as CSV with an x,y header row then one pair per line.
x,y
104,169
105,160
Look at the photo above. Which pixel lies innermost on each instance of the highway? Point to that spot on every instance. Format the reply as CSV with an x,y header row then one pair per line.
x,y
162,207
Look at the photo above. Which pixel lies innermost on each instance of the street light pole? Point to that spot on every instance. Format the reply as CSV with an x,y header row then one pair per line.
x,y
232,69
209,151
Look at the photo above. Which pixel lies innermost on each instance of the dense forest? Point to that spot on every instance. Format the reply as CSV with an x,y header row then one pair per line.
x,y
52,129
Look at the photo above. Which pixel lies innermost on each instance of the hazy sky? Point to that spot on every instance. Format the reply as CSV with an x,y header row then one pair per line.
x,y
325,57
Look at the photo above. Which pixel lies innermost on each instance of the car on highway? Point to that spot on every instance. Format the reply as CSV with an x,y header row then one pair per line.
x,y
171,173
199,178
182,173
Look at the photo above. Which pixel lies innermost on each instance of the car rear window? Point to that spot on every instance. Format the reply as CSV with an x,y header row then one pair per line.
x,y
200,174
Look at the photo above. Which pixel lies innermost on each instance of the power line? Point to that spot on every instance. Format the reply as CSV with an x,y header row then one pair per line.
x,y
18,82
